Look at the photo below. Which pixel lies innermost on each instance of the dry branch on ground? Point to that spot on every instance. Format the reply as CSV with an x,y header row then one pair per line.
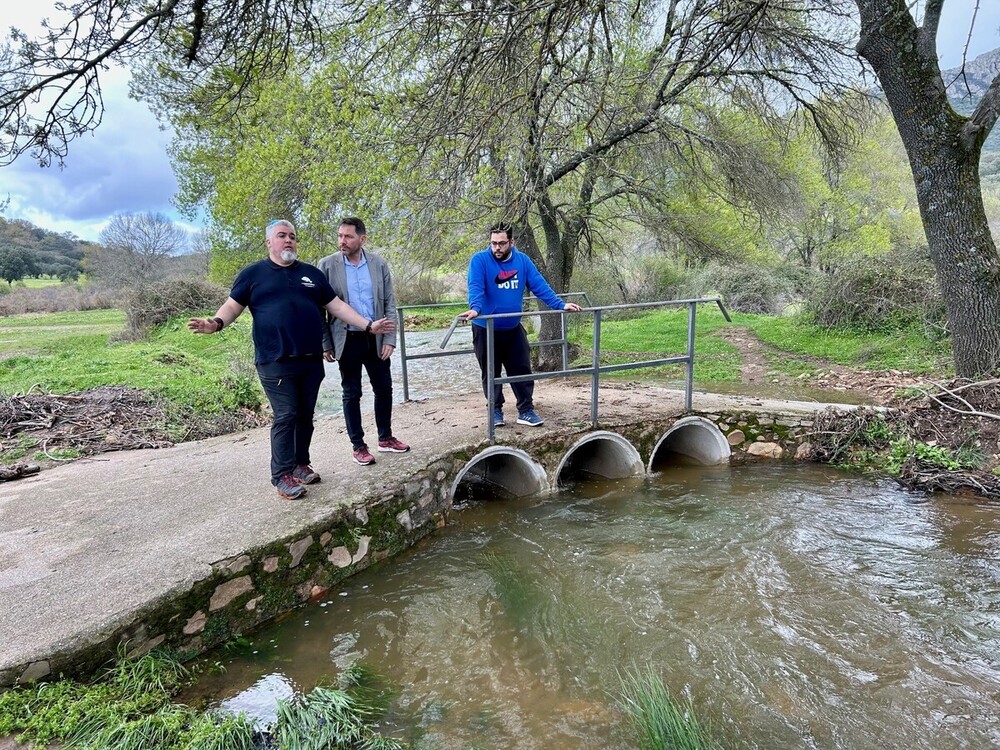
x,y
110,418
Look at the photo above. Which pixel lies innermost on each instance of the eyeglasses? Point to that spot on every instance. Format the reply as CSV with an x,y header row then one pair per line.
x,y
503,243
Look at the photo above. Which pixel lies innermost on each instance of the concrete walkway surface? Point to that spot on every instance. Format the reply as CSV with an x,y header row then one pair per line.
x,y
87,547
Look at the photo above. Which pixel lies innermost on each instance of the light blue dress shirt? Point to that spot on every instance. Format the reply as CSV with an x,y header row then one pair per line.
x,y
359,288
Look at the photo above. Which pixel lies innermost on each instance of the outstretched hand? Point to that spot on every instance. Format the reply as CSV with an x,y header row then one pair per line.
x,y
383,325
203,325
572,307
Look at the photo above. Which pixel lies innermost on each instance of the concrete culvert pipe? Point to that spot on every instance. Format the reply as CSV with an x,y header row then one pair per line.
x,y
498,473
694,438
600,454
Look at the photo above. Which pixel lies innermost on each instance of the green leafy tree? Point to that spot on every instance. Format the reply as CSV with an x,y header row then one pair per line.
x,y
15,264
543,115
862,202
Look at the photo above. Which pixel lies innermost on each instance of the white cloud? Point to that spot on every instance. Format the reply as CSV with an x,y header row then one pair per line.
x,y
121,166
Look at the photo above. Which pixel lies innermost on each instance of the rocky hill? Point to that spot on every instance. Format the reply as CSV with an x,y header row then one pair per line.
x,y
966,88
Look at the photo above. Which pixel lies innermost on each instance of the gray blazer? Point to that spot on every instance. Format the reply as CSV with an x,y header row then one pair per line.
x,y
335,333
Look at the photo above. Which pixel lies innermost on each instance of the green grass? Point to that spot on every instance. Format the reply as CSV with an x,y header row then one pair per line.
x,y
34,283
909,350
661,722
660,334
799,345
129,707
70,352
433,318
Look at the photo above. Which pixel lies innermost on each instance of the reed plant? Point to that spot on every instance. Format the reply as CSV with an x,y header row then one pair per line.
x,y
328,719
659,720
519,591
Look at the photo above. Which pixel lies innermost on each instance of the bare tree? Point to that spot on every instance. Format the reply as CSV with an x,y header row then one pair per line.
x,y
135,248
567,106
50,88
944,150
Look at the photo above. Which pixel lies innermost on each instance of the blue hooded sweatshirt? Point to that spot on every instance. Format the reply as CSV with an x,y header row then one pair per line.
x,y
499,286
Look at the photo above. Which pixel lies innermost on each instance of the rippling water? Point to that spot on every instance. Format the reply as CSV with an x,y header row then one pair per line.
x,y
798,607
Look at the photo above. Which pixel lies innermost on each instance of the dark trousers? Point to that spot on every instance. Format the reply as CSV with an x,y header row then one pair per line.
x,y
360,349
510,351
292,386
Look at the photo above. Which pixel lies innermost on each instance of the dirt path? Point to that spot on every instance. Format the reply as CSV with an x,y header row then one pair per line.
x,y
758,368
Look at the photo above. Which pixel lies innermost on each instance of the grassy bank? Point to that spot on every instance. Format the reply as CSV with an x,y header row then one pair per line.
x,y
71,352
130,707
798,346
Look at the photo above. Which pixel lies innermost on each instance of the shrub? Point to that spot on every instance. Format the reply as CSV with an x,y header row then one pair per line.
x,y
56,298
421,288
880,294
626,279
749,288
154,304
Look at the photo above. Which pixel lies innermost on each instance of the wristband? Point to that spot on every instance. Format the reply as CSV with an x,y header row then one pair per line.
x,y
220,323
368,328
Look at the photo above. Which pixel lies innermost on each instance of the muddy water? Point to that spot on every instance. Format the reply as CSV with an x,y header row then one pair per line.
x,y
797,607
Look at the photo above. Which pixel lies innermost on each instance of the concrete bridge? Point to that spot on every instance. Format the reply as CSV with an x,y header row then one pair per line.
x,y
188,546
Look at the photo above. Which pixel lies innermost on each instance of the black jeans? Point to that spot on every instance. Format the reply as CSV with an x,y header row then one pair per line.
x,y
292,386
510,351
361,349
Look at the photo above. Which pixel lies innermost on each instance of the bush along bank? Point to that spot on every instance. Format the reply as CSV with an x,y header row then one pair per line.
x,y
130,707
943,437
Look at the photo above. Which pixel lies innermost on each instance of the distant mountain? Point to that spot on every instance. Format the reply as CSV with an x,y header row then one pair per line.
x,y
968,88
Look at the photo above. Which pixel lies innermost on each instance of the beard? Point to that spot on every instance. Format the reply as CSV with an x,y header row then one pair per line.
x,y
289,255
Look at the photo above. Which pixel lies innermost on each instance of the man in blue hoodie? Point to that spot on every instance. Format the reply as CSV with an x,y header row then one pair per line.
x,y
498,278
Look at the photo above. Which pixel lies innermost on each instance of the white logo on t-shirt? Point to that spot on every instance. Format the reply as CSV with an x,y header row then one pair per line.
x,y
306,281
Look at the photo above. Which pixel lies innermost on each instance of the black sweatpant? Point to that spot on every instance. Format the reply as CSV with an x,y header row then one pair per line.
x,y
511,352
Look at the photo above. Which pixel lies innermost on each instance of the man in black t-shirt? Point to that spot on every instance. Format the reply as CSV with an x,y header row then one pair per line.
x,y
287,299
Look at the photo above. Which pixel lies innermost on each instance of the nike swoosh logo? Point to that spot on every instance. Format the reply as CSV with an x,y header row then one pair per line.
x,y
504,275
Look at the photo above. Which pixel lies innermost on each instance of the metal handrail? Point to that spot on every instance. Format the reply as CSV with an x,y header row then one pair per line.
x,y
595,368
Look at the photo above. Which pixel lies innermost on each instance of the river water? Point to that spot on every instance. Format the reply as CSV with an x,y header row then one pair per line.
x,y
798,607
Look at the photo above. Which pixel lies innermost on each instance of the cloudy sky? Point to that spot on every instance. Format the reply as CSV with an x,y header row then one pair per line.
x,y
123,165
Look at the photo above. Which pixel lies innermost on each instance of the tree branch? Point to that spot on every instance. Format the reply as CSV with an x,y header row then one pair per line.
x,y
982,120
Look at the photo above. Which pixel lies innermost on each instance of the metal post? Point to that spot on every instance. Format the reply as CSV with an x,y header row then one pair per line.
x,y
596,365
565,340
401,338
490,400
689,384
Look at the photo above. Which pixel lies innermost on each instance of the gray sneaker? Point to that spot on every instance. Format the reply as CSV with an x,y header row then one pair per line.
x,y
289,488
305,474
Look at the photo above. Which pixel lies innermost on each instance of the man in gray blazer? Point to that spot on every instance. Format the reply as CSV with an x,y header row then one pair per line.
x,y
363,281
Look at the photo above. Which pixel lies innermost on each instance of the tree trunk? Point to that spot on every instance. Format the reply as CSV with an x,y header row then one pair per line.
x,y
559,252
943,149
965,257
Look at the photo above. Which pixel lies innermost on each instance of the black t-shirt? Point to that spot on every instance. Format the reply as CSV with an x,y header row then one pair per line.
x,y
287,307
